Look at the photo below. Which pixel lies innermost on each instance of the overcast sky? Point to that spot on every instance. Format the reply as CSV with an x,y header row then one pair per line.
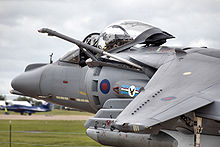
x,y
192,22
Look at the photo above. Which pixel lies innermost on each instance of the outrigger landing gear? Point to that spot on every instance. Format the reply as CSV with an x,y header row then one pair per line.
x,y
197,129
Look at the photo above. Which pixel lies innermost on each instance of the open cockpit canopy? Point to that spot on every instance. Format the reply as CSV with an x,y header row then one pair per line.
x,y
119,36
123,32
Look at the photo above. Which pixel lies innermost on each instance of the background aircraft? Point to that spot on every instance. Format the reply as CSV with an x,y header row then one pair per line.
x,y
27,109
12,102
143,93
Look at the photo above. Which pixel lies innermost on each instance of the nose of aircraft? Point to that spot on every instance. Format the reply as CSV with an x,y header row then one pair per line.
x,y
28,83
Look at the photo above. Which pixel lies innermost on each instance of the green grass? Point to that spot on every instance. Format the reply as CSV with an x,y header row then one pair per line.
x,y
64,112
29,133
54,112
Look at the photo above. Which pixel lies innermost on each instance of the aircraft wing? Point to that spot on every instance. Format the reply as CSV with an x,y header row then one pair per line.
x,y
179,86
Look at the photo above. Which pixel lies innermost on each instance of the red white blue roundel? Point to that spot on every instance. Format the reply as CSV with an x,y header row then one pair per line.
x,y
104,86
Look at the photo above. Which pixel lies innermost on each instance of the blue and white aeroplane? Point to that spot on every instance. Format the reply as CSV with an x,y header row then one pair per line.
x,y
27,109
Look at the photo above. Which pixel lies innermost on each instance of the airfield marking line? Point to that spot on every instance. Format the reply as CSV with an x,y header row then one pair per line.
x,y
45,117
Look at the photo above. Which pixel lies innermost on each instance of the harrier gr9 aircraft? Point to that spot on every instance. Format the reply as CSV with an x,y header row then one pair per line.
x,y
143,93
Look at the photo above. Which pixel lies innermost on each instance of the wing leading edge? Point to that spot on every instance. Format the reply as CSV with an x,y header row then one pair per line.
x,y
175,89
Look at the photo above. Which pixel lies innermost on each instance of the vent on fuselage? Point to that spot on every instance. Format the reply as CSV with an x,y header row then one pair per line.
x,y
97,71
95,85
96,100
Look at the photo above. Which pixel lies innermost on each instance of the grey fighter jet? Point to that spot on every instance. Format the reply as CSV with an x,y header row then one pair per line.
x,y
143,93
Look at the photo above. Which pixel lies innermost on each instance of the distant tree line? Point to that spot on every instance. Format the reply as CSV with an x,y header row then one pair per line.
x,y
2,97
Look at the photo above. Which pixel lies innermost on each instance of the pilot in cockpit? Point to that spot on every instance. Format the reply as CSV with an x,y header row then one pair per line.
x,y
114,36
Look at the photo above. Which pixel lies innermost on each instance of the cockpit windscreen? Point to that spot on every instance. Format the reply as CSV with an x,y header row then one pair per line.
x,y
71,56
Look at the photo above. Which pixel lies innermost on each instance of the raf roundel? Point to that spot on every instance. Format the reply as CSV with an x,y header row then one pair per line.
x,y
104,86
